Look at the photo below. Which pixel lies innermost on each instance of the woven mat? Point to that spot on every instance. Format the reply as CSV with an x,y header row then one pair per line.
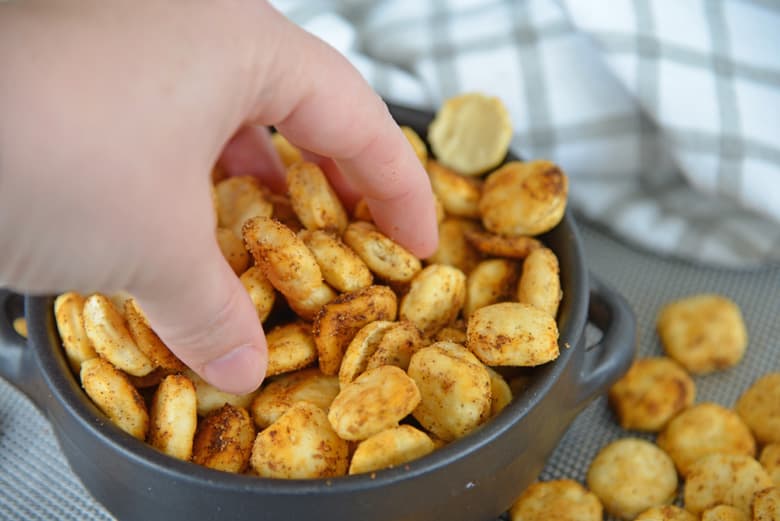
x,y
36,483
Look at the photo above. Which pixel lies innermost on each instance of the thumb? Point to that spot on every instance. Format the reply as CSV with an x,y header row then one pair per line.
x,y
205,316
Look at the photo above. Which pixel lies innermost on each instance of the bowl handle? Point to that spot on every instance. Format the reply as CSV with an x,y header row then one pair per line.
x,y
17,364
611,356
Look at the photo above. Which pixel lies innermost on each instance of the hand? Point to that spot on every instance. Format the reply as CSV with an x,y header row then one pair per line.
x,y
114,114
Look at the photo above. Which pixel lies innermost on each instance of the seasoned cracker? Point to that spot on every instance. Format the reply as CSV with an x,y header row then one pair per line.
x,y
300,444
435,298
651,393
209,398
559,500
666,513
500,392
390,448
724,479
284,391
703,429
770,460
524,198
360,350
338,322
491,281
376,400
454,249
631,475
458,195
224,440
704,333
173,417
724,513
454,387
494,245
759,406
766,505
290,347
511,333
540,281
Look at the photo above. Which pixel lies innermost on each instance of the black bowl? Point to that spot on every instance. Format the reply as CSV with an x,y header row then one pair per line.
x,y
472,479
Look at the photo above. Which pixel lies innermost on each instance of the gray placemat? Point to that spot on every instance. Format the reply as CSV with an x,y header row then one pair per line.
x,y
36,483
648,282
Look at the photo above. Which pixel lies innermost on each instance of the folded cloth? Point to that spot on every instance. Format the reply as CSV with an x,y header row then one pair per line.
x,y
664,113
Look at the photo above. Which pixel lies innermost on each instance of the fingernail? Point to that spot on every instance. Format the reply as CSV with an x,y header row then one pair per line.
x,y
239,371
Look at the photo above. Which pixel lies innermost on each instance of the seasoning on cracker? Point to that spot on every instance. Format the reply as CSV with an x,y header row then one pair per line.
x,y
561,500
376,400
454,249
759,406
651,393
770,460
724,479
704,333
524,198
631,475
666,513
724,513
224,439
703,429
540,281
459,195
389,448
300,444
284,391
766,505
454,389
511,333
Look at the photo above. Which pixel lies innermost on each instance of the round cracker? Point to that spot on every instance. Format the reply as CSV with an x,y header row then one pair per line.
x,y
703,429
704,333
300,444
770,460
524,198
471,133
561,500
278,395
631,475
454,387
724,479
376,400
390,448
651,393
766,505
290,347
759,407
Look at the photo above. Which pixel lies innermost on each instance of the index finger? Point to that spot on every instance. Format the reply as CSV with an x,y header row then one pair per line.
x,y
322,104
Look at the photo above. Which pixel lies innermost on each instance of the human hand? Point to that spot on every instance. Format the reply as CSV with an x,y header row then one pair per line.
x,y
114,114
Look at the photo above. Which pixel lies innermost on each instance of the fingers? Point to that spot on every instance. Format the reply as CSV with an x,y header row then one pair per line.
x,y
322,104
204,315
250,152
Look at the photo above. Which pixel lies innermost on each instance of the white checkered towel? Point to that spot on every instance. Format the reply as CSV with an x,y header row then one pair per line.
x,y
664,113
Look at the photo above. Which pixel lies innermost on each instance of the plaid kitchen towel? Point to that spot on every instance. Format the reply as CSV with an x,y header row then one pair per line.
x,y
664,113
